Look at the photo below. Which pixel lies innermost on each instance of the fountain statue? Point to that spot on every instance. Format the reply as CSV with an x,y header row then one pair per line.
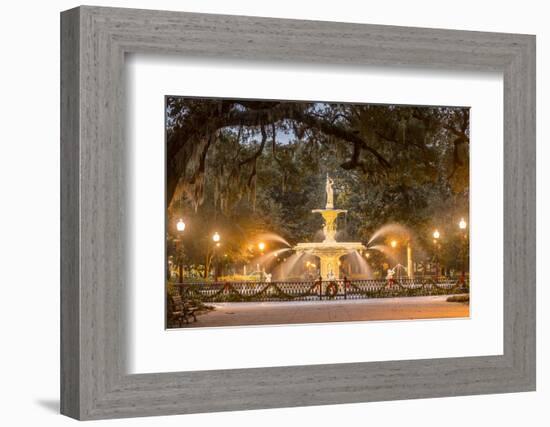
x,y
329,251
330,193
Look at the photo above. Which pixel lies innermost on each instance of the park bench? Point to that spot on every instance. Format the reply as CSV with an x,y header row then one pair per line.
x,y
182,309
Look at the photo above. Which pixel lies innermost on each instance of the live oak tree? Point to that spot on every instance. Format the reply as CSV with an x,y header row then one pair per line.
x,y
259,165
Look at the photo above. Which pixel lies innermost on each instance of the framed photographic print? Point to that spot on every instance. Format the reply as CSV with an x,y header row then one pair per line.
x,y
328,211
265,211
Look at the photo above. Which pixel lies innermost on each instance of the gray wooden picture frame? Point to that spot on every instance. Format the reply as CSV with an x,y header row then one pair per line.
x,y
94,381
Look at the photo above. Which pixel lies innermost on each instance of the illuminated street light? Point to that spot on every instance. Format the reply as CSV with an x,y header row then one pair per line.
x,y
180,226
436,237
462,225
216,238
261,246
393,243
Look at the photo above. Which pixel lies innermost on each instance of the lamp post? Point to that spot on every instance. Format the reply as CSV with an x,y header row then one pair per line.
x,y
216,239
436,235
180,227
462,225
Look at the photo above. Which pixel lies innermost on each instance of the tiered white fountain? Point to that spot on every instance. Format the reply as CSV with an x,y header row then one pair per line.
x,y
329,251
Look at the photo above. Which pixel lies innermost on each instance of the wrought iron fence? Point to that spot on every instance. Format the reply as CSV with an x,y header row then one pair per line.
x,y
318,290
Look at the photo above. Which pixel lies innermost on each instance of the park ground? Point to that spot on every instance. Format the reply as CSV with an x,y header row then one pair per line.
x,y
283,313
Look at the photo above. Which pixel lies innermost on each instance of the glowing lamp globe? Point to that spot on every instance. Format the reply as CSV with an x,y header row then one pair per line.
x,y
180,226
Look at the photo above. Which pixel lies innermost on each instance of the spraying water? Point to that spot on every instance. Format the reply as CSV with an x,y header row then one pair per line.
x,y
359,266
288,268
394,228
400,271
272,237
266,260
387,251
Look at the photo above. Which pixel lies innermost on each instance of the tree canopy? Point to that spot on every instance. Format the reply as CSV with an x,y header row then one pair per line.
x,y
256,166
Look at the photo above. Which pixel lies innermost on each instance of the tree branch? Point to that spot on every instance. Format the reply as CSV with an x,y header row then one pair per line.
x,y
259,151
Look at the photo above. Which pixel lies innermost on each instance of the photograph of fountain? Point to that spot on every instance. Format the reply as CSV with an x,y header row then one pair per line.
x,y
296,212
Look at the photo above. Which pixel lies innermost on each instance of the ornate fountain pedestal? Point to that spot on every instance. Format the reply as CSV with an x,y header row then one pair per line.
x,y
329,228
329,251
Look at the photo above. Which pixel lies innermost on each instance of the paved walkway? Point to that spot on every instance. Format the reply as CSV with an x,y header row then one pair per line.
x,y
280,313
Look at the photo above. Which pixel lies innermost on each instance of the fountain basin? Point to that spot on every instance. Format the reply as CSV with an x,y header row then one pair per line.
x,y
329,254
